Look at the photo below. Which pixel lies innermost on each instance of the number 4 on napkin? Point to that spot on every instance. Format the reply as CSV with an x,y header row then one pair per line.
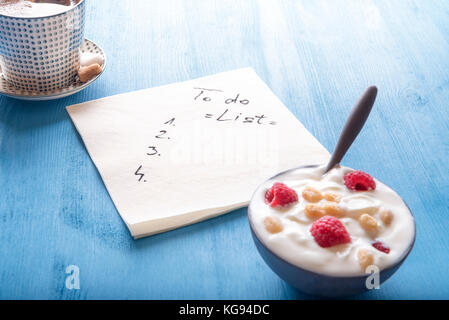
x,y
178,154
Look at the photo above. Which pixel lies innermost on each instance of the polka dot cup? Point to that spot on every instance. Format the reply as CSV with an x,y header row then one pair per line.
x,y
42,54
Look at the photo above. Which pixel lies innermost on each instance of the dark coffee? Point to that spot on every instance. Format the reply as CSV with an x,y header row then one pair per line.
x,y
35,8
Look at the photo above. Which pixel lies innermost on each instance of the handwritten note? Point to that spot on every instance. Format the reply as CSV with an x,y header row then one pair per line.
x,y
182,153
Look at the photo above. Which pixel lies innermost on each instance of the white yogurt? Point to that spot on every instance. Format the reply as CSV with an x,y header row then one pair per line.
x,y
295,243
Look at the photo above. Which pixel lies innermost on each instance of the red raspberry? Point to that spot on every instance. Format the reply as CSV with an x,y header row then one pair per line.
x,y
329,231
360,181
280,195
269,195
380,246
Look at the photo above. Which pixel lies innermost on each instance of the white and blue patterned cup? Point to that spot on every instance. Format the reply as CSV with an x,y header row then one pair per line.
x,y
42,54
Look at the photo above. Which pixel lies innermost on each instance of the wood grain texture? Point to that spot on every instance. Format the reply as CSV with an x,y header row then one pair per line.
x,y
317,57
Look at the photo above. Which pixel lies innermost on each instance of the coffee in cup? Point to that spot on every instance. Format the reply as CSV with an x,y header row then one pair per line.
x,y
35,8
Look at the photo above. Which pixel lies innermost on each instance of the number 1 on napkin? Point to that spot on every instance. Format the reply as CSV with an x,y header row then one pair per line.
x,y
178,154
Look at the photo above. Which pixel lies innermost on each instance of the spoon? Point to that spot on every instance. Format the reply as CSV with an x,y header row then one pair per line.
x,y
353,126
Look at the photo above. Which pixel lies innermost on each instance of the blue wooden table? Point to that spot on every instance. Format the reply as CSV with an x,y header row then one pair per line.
x,y
317,57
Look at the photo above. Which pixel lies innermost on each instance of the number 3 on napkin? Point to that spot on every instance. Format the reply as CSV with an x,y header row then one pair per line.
x,y
178,154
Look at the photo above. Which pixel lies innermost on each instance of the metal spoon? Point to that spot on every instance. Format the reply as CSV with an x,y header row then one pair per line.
x,y
353,126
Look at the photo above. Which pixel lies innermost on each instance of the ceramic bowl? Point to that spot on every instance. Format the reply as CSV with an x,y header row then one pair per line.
x,y
315,283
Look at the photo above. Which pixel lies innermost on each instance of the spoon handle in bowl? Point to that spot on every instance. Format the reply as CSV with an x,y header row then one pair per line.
x,y
354,124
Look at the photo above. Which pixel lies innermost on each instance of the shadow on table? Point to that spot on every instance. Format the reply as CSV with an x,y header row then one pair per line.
x,y
24,115
187,231
294,294
178,235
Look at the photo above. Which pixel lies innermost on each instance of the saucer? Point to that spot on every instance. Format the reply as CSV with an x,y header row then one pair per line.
x,y
13,92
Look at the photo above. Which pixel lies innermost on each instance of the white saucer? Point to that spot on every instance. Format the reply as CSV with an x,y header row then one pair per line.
x,y
13,92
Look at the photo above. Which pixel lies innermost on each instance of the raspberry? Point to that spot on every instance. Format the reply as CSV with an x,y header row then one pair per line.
x,y
381,247
269,195
329,231
280,195
360,181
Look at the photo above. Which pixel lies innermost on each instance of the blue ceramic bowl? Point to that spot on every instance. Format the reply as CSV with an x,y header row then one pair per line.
x,y
314,283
